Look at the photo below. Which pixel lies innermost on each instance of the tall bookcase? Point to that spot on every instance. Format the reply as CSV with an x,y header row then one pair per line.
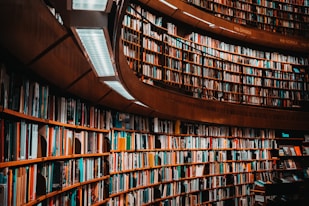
x,y
202,66
54,148
191,164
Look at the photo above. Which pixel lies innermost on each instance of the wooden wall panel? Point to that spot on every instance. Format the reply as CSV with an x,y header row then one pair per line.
x,y
63,64
28,28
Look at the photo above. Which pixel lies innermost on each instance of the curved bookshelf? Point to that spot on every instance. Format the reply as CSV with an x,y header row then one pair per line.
x,y
55,44
53,147
207,68
283,17
188,167
227,28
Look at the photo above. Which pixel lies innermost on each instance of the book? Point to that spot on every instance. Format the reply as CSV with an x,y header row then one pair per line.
x,y
306,137
3,195
306,150
2,140
297,150
289,164
286,150
58,167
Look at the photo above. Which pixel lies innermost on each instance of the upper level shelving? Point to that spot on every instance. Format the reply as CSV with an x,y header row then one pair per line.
x,y
285,17
166,54
52,42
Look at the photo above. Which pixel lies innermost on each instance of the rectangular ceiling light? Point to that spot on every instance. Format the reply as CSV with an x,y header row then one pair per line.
x,y
95,44
115,85
197,18
168,4
141,104
92,5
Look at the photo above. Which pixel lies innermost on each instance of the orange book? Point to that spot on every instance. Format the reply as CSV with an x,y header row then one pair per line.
x,y
297,150
121,143
50,142
151,159
17,152
10,187
31,186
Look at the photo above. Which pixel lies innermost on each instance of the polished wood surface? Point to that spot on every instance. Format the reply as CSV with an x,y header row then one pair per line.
x,y
34,36
227,28
185,107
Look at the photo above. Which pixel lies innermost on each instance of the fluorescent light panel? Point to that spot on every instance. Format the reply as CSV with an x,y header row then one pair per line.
x,y
139,103
92,5
229,30
115,85
94,42
197,18
168,4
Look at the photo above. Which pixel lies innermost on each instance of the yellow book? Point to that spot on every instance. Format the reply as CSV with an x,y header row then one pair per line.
x,y
151,159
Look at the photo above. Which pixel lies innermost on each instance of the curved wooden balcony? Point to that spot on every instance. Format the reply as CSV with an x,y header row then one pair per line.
x,y
179,106
37,40
226,28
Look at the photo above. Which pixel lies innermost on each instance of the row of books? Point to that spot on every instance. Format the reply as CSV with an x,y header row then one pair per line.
x,y
290,150
19,141
216,161
174,61
154,72
124,121
206,130
228,50
43,178
34,99
85,195
211,55
26,140
243,54
274,13
170,194
129,140
265,3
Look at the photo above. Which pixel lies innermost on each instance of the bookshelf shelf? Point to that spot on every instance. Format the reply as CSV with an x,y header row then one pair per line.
x,y
79,79
209,68
56,146
281,17
158,160
66,189
47,159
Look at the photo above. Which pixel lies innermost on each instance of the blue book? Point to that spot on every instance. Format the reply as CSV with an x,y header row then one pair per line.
x,y
81,168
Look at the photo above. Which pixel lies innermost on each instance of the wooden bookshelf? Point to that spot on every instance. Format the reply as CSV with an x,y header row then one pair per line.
x,y
283,17
52,42
209,68
148,162
53,148
199,108
226,27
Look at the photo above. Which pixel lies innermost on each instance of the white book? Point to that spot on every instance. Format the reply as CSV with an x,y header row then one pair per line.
x,y
199,170
23,143
34,143
156,124
69,142
35,100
